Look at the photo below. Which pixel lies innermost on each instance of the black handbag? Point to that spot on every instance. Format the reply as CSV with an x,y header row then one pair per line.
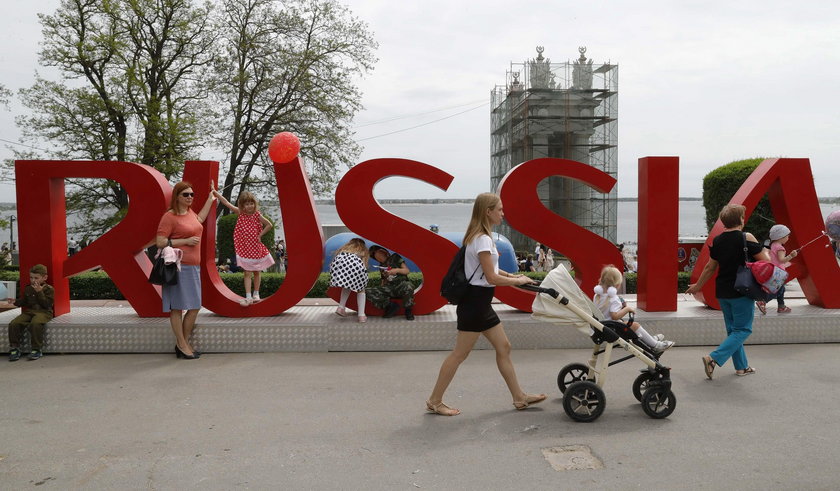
x,y
162,273
745,282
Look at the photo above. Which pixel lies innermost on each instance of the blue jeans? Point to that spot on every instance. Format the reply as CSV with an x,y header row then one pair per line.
x,y
780,297
738,317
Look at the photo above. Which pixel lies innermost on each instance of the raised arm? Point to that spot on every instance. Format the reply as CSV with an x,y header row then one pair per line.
x,y
225,202
205,210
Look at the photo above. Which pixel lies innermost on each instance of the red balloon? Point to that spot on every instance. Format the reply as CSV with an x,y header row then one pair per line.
x,y
284,147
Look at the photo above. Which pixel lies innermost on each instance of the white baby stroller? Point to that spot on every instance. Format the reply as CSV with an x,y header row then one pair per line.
x,y
560,301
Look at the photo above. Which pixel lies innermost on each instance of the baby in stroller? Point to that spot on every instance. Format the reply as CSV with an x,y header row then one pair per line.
x,y
615,308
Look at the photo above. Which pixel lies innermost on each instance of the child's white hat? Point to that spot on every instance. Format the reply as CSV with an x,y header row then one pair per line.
x,y
778,232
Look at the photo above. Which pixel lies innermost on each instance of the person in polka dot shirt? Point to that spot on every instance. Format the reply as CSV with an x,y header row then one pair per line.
x,y
251,254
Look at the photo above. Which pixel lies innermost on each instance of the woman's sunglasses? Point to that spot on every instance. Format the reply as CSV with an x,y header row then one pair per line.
x,y
188,195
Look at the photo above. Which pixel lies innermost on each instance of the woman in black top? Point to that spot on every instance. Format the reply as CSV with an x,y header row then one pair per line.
x,y
726,255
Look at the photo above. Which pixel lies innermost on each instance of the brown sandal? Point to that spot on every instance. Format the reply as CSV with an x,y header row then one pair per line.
x,y
709,366
520,405
442,409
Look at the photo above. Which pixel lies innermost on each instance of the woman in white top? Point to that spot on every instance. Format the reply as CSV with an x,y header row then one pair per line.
x,y
475,314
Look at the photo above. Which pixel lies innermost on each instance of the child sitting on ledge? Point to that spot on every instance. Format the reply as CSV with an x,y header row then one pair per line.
x,y
36,304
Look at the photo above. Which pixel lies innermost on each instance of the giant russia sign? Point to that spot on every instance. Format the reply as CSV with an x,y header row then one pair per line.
x,y
120,251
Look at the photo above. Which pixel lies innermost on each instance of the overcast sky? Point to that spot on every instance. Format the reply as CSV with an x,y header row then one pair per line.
x,y
708,81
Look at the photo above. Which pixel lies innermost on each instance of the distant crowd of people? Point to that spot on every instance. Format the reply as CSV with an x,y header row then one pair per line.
x,y
541,260
74,246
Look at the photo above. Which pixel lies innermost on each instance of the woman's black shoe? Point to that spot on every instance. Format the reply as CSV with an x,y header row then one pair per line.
x,y
181,354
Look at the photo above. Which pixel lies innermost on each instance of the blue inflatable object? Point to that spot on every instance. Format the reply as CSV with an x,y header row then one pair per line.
x,y
507,255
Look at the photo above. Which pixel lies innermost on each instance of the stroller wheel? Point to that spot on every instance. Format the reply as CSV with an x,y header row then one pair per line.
x,y
584,401
659,402
640,385
571,373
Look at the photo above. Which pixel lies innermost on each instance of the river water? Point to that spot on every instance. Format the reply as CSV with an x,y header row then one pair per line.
x,y
454,217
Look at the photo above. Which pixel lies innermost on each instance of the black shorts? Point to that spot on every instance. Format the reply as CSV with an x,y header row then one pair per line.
x,y
475,314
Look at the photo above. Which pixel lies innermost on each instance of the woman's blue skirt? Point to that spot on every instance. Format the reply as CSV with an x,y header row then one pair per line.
x,y
186,295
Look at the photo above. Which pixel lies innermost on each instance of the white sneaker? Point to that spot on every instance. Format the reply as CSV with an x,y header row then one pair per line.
x,y
662,346
659,337
245,302
256,298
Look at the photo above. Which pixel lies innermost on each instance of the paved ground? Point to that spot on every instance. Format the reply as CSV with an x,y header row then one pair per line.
x,y
356,421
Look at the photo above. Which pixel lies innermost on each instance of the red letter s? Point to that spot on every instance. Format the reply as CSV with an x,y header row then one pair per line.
x,y
360,212
525,212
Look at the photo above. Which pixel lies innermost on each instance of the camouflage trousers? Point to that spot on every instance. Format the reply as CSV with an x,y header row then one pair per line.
x,y
380,296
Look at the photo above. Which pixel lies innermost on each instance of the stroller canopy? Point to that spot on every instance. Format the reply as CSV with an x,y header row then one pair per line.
x,y
550,310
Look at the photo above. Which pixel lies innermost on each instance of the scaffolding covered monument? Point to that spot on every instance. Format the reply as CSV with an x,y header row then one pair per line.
x,y
562,110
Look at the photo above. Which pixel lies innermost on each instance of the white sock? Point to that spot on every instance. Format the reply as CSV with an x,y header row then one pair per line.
x,y
248,295
646,338
345,294
360,301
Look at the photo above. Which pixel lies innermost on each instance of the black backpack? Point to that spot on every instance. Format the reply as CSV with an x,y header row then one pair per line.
x,y
455,283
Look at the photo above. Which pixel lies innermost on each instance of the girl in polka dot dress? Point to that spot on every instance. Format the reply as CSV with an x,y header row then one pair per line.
x,y
348,271
251,254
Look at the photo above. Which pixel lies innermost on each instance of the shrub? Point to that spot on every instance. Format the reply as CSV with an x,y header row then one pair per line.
x,y
93,285
721,184
631,281
97,285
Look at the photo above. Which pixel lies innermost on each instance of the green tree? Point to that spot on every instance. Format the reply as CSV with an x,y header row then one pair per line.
x,y
5,95
722,183
159,81
128,91
287,66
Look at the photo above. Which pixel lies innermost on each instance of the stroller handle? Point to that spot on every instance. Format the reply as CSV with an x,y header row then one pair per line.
x,y
548,291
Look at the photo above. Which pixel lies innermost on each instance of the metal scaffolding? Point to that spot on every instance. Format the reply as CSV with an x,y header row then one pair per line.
x,y
563,110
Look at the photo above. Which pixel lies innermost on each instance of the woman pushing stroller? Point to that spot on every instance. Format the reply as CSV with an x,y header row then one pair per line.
x,y
475,313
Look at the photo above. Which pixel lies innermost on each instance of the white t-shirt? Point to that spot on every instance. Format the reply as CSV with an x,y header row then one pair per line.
x,y
607,305
481,243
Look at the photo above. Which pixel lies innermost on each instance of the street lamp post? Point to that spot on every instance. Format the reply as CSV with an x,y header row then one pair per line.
x,y
12,232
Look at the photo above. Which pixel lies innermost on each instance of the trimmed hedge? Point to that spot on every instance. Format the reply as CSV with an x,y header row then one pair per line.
x,y
722,183
97,285
683,278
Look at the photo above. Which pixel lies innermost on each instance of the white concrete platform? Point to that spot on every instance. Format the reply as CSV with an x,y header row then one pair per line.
x,y
314,327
